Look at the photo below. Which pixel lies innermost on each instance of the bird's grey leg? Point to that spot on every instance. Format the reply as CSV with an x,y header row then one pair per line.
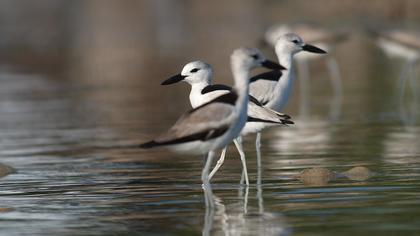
x,y
208,194
238,143
242,178
335,80
401,92
260,197
246,199
259,173
304,88
258,148
242,173
414,90
219,163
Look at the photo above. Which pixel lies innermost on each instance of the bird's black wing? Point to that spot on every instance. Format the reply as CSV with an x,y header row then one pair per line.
x,y
215,87
273,75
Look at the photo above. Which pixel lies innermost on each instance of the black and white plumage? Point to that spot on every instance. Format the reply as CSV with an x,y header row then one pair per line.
x,y
273,89
200,124
213,125
321,37
199,75
256,110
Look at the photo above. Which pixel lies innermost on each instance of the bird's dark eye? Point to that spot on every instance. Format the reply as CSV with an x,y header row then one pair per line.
x,y
194,70
255,56
295,41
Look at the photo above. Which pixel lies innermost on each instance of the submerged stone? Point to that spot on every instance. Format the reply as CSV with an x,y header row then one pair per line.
x,y
6,170
317,176
6,209
358,173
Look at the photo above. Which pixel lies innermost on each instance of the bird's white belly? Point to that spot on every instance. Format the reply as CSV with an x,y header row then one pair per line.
x,y
194,147
254,127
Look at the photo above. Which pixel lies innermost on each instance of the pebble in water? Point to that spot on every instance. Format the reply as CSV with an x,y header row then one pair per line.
x,y
6,209
317,176
6,170
358,173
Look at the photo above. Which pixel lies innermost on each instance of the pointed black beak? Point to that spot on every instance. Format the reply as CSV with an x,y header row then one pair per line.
x,y
174,79
272,65
312,48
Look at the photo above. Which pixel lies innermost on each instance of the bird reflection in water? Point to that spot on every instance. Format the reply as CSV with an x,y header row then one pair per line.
x,y
240,219
403,45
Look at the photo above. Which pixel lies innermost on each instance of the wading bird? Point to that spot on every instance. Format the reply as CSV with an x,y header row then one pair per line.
x,y
199,75
215,124
273,89
322,38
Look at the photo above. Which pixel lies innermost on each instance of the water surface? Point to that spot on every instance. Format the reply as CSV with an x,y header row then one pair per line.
x,y
79,173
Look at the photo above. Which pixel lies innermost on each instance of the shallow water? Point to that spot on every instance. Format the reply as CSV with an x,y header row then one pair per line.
x,y
79,173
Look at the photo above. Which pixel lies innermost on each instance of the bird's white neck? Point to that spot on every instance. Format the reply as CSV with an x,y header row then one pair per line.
x,y
195,94
284,85
241,77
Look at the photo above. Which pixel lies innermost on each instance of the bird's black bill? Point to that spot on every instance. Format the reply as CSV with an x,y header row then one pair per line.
x,y
272,65
173,79
312,48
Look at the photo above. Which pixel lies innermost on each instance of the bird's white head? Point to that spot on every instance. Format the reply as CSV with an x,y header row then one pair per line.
x,y
250,58
193,72
291,43
274,32
243,60
197,71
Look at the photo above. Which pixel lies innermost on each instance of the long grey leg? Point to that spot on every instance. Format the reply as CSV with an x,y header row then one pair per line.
x,y
219,163
208,194
414,91
242,181
401,92
335,80
258,148
260,197
238,143
246,199
259,173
